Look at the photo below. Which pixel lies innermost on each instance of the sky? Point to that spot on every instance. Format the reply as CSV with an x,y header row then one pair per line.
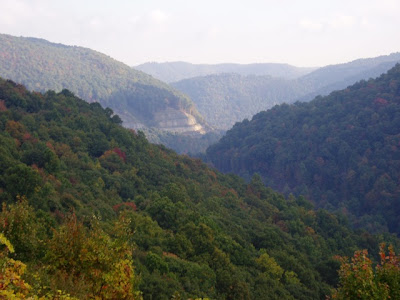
x,y
304,33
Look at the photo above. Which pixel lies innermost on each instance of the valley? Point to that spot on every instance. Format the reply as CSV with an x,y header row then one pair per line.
x,y
284,173
226,98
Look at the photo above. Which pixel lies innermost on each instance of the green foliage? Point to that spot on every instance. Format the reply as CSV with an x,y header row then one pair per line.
x,y
12,284
19,223
341,151
21,180
225,94
224,99
155,262
175,71
108,214
95,77
269,266
192,144
102,265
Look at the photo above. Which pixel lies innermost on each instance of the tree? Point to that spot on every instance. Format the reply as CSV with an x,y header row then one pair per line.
x,y
22,180
269,266
19,224
94,264
12,282
360,280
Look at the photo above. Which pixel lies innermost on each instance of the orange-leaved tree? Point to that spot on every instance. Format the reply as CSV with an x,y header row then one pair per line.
x,y
360,280
90,263
12,281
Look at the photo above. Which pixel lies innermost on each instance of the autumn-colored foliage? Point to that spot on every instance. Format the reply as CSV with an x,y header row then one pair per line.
x,y
128,205
120,153
340,151
12,286
15,129
99,223
3,106
359,279
102,266
12,282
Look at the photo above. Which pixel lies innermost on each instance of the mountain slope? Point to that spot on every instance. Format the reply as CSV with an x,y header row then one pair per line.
x,y
176,71
196,232
224,99
341,151
335,77
139,99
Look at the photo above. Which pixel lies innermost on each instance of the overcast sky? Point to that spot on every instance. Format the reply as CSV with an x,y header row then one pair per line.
x,y
298,32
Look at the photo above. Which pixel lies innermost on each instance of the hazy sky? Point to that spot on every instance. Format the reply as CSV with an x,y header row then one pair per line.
x,y
298,32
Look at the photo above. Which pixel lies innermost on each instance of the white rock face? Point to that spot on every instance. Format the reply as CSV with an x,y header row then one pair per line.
x,y
172,120
177,121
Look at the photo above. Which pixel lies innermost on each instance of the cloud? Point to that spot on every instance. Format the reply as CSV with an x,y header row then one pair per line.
x,y
134,19
310,25
337,22
385,7
158,16
13,11
22,13
214,32
96,23
342,21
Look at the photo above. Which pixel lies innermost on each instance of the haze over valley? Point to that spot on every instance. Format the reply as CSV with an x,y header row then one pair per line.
x,y
199,150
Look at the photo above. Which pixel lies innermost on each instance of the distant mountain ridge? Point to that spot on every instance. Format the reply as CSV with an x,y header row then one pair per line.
x,y
139,99
342,151
334,77
224,99
176,71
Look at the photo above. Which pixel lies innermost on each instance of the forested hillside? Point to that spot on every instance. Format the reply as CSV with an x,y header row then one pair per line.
x,y
94,210
224,99
139,99
336,77
176,71
191,144
341,151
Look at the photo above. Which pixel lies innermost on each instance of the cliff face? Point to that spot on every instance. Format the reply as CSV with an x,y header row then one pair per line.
x,y
140,100
177,121
170,119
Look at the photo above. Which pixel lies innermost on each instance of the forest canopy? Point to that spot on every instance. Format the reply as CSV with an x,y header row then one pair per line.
x,y
86,202
341,151
93,76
